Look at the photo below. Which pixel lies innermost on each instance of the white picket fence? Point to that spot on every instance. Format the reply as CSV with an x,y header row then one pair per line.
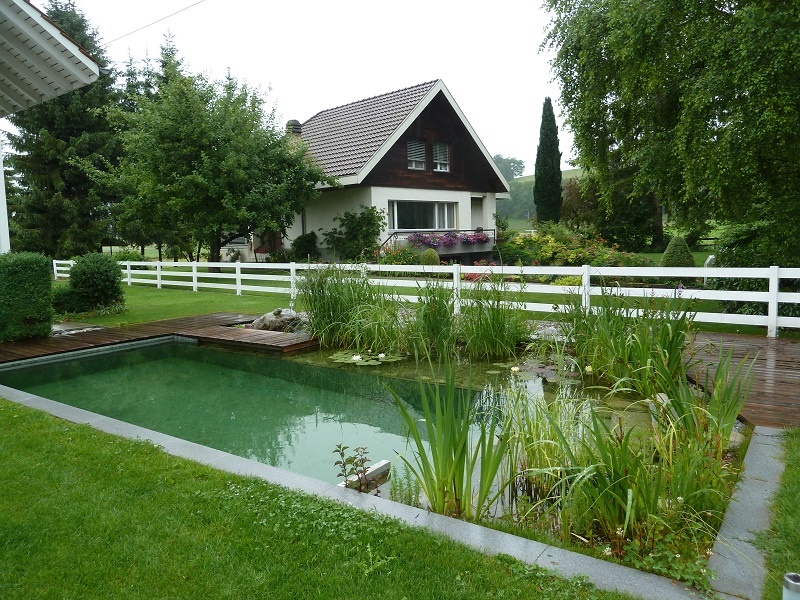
x,y
282,278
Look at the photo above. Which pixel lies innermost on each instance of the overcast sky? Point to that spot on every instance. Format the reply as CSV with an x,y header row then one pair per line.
x,y
310,55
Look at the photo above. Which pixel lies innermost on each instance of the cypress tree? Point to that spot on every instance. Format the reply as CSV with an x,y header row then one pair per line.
x,y
547,173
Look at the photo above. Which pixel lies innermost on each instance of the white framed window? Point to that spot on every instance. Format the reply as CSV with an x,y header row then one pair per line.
x,y
422,215
416,154
441,157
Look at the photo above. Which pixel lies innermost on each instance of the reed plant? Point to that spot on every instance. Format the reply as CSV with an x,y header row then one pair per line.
x,y
492,323
457,468
537,457
626,342
345,310
433,330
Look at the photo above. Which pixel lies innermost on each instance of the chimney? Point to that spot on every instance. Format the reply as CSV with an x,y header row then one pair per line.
x,y
294,127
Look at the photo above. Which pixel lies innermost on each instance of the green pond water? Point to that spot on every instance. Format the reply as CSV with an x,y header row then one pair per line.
x,y
275,411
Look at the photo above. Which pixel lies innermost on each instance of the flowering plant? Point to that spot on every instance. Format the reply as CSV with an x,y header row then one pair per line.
x,y
446,240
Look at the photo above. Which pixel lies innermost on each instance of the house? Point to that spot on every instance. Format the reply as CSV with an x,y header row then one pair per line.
x,y
411,153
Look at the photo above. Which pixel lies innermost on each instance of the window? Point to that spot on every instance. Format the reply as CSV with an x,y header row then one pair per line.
x,y
441,157
422,215
416,154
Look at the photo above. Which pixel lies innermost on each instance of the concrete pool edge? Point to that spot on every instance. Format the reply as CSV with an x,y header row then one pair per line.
x,y
602,574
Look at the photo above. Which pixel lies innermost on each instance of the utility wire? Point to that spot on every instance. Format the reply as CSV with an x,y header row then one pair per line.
x,y
153,23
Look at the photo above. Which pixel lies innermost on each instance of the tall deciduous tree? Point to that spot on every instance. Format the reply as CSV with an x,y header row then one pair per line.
x,y
58,209
204,163
694,102
511,168
547,173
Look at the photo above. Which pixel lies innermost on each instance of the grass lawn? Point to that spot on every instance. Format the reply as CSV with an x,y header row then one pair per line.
x,y
148,303
89,515
782,544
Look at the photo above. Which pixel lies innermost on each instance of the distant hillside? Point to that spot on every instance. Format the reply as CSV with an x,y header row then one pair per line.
x,y
520,205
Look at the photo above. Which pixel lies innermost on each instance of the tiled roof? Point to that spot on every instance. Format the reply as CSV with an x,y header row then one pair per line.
x,y
344,138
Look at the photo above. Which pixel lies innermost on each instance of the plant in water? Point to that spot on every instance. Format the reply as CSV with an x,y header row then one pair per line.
x,y
434,328
404,487
445,467
491,324
353,466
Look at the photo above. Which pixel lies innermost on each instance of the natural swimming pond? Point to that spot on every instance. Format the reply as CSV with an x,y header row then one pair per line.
x,y
275,411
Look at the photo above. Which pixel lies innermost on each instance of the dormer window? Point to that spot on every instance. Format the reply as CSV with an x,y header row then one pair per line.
x,y
441,157
416,155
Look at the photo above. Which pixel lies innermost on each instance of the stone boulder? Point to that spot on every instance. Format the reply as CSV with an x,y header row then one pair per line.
x,y
280,319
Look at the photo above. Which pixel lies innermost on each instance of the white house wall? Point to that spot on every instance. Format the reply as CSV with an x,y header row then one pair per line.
x,y
321,212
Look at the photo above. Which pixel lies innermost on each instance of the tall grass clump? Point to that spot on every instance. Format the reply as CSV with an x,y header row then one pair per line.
x,y
346,311
492,323
456,453
433,328
625,342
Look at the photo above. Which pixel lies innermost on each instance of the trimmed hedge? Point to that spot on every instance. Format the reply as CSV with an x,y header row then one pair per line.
x,y
25,296
677,254
429,257
95,281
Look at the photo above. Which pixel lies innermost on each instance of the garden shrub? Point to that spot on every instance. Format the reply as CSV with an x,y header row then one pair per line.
x,y
356,236
401,255
556,245
65,300
128,254
429,257
677,254
750,245
25,296
96,281
305,246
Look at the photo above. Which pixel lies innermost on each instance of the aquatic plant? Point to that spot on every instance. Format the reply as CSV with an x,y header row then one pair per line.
x,y
445,466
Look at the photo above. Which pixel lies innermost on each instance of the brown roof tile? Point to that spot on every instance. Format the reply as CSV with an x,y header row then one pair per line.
x,y
344,138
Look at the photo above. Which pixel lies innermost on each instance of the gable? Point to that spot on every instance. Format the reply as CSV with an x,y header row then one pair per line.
x,y
438,123
350,141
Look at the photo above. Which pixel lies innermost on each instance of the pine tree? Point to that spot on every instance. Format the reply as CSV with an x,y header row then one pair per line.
x,y
58,210
547,174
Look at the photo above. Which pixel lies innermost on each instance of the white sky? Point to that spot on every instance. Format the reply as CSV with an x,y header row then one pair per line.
x,y
317,54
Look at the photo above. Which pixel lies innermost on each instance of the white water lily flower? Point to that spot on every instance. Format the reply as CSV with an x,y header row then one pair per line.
x,y
514,369
356,357
381,355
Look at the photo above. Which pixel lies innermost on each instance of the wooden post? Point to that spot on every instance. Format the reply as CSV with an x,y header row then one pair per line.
x,y
772,303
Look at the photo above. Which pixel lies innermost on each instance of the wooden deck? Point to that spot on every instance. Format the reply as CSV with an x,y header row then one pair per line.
x,y
774,398
214,327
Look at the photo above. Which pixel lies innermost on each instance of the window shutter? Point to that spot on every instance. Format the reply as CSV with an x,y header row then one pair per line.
x,y
416,154
441,157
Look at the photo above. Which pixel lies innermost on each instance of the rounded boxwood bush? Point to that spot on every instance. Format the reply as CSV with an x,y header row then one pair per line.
x,y
95,281
677,254
429,257
25,296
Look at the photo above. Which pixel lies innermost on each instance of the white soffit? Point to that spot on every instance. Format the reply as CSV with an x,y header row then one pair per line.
x,y
37,60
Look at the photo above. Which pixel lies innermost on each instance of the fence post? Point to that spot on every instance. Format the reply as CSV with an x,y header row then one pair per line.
x,y
194,276
456,288
772,310
128,272
238,278
586,288
55,270
158,275
292,284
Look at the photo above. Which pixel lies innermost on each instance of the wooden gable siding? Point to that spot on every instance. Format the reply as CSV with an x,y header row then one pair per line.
x,y
469,170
